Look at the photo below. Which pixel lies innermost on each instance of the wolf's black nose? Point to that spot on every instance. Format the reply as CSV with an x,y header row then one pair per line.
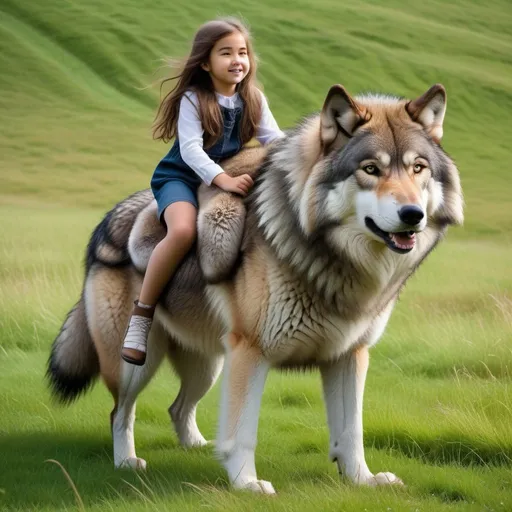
x,y
411,214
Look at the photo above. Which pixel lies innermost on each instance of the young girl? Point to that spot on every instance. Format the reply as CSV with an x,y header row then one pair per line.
x,y
212,112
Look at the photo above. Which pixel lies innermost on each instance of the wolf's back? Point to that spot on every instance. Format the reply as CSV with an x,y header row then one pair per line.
x,y
73,364
109,241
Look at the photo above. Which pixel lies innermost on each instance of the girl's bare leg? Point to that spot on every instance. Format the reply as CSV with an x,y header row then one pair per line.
x,y
180,219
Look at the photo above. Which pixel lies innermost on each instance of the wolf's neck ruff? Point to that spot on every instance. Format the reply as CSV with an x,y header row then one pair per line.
x,y
331,274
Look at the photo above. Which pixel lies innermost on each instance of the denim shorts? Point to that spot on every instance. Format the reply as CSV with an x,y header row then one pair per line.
x,y
173,186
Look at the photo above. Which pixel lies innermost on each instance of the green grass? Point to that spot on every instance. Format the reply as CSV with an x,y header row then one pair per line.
x,y
437,410
75,138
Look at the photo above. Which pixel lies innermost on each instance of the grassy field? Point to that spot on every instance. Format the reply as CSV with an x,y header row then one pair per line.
x,y
75,138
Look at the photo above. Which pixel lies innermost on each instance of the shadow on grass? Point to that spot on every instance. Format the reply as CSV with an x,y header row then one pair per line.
x,y
444,449
28,482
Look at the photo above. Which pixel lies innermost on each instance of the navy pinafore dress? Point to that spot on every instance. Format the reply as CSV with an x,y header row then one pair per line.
x,y
173,180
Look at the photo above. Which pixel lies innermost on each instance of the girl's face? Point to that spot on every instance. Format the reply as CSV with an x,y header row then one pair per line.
x,y
228,64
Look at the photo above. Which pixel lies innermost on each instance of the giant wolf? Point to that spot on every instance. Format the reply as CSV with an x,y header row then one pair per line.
x,y
344,209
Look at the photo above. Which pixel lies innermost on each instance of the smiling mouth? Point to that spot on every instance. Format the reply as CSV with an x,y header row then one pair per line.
x,y
401,242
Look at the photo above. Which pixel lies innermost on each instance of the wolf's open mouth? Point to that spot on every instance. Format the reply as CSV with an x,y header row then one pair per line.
x,y
401,242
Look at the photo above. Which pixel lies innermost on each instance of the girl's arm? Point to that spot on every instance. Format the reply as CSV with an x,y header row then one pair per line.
x,y
190,137
268,130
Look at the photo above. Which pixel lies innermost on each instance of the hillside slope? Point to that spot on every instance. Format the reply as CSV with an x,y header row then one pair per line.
x,y
77,112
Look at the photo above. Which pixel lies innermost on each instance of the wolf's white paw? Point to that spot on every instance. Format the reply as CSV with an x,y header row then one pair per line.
x,y
260,486
191,438
195,442
133,463
186,428
384,479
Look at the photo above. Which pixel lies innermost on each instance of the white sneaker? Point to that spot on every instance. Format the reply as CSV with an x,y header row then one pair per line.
x,y
135,340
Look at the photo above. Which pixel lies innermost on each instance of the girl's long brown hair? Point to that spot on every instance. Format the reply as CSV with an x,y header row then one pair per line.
x,y
194,77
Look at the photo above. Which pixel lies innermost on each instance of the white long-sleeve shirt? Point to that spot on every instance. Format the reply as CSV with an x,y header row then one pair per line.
x,y
190,132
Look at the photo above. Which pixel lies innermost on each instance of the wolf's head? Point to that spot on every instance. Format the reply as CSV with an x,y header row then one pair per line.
x,y
380,168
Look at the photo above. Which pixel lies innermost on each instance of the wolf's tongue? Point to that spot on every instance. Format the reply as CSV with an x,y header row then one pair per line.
x,y
404,240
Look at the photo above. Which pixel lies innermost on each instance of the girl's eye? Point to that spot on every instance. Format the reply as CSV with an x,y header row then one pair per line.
x,y
370,169
418,168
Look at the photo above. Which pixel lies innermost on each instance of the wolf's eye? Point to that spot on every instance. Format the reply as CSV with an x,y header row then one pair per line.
x,y
418,168
370,169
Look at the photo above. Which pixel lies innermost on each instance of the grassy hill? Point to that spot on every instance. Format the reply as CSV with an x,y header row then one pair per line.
x,y
76,119
75,137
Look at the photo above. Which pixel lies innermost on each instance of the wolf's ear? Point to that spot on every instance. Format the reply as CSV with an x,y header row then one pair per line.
x,y
429,110
339,119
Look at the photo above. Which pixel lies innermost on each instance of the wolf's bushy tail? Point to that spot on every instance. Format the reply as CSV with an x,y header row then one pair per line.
x,y
73,364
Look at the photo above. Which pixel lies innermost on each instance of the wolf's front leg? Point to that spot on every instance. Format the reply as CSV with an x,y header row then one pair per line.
x,y
343,383
245,372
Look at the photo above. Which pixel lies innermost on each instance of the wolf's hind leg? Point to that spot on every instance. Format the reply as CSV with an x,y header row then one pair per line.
x,y
132,381
198,373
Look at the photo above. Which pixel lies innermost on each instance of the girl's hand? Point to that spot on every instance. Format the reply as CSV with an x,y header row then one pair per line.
x,y
239,185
